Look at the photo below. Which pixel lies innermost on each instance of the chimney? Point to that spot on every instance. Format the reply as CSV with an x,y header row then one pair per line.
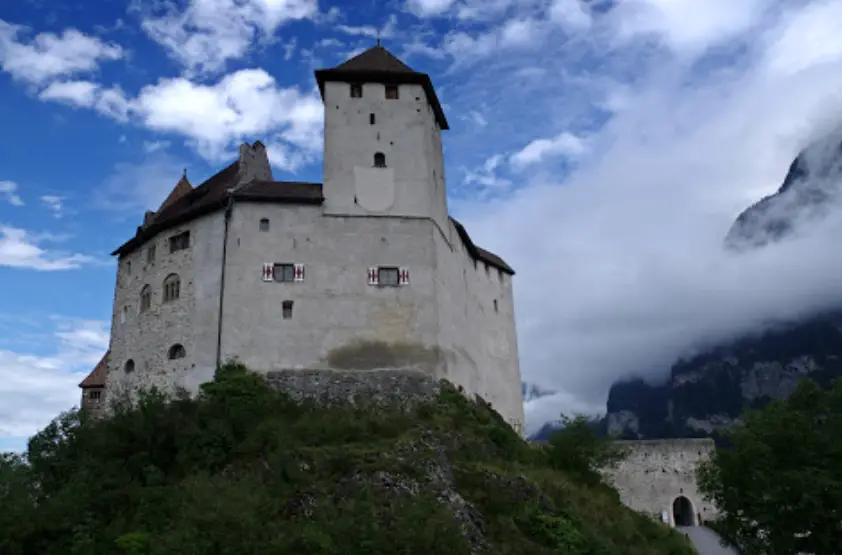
x,y
148,217
254,163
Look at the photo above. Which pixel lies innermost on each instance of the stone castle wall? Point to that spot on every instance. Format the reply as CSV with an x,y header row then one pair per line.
x,y
657,472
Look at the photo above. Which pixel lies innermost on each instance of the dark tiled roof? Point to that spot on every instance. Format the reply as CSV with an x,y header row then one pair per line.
x,y
213,195
378,65
375,59
97,376
481,254
181,188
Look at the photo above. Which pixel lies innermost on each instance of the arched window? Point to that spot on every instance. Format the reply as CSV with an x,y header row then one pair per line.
x,y
379,160
129,366
172,288
145,298
176,351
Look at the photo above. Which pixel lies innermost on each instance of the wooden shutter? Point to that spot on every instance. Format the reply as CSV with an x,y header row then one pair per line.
x,y
373,276
298,272
267,271
403,276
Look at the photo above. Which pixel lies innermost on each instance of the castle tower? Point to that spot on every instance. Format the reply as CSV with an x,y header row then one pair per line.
x,y
382,137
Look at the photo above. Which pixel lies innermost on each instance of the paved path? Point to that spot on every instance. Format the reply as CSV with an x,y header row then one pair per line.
x,y
706,541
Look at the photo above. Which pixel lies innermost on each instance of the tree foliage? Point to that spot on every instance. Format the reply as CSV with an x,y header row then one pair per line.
x,y
582,453
244,470
780,484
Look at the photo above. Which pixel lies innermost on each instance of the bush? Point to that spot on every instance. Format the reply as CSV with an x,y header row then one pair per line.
x,y
242,469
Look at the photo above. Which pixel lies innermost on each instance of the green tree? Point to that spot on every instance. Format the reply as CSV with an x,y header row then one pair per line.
x,y
582,453
780,484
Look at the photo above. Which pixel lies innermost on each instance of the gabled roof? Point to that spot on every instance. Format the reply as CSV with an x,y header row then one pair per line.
x,y
378,65
375,59
97,376
213,195
481,254
181,188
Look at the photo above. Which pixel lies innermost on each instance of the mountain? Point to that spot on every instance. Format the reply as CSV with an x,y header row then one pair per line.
x,y
707,392
813,182
532,392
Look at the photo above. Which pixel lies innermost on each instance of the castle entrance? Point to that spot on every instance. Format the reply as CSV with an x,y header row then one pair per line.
x,y
682,512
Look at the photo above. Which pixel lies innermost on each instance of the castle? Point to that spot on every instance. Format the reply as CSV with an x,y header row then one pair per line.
x,y
364,271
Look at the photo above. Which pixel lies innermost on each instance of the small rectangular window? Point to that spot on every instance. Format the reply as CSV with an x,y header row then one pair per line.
x,y
150,255
371,119
286,308
283,272
392,92
388,276
180,242
264,224
356,91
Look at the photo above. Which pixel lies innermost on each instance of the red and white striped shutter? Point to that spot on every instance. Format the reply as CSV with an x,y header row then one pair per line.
x,y
298,274
267,272
373,276
403,276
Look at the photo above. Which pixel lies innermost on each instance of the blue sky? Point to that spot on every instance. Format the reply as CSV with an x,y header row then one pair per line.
x,y
602,148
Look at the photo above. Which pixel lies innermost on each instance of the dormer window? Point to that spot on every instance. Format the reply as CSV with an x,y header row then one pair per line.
x,y
392,92
356,91
379,160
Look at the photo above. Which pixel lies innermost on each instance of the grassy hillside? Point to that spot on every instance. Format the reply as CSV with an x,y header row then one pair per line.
x,y
244,470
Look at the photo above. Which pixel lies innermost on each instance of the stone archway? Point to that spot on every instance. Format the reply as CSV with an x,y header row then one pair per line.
x,y
683,513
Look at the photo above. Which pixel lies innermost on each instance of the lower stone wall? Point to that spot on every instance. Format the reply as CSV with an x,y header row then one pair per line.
x,y
405,386
657,474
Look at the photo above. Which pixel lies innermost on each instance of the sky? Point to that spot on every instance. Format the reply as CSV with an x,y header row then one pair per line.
x,y
603,148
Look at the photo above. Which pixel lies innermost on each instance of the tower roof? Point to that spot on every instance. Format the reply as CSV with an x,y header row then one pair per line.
x,y
97,376
378,65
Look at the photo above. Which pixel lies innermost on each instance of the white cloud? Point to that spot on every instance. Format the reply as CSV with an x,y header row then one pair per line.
x,y
35,388
385,32
564,144
570,13
111,102
688,25
620,261
55,204
48,55
8,192
154,146
808,38
486,176
208,33
428,8
21,249
214,118
244,104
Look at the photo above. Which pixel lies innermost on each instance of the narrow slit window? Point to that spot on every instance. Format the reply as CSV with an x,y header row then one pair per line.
x,y
356,90
371,119
150,255
392,92
264,224
496,308
128,267
379,160
145,298
286,310
388,276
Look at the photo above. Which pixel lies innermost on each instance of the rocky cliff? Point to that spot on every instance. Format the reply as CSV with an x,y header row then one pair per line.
x,y
707,392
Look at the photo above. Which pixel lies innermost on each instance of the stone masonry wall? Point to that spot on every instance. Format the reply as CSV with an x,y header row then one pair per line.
x,y
406,386
657,472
